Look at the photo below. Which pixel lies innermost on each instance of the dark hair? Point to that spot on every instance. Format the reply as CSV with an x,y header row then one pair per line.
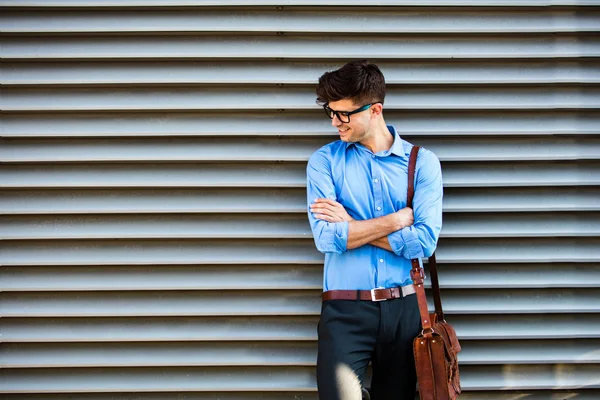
x,y
358,80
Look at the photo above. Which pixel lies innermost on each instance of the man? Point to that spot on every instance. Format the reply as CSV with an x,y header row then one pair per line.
x,y
357,189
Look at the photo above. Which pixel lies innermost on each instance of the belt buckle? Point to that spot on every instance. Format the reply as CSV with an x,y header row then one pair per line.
x,y
373,294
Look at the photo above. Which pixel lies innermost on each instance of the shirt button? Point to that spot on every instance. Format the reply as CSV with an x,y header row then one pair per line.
x,y
378,208
376,180
381,260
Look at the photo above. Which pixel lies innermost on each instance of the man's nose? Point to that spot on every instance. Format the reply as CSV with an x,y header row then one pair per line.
x,y
335,121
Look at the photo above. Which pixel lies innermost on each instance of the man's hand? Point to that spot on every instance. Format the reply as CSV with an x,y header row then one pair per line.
x,y
405,217
330,211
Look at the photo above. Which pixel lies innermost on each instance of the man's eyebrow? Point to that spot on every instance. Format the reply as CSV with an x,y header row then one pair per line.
x,y
340,111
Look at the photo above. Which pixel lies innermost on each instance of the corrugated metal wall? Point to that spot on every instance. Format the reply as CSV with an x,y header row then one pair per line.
x,y
153,217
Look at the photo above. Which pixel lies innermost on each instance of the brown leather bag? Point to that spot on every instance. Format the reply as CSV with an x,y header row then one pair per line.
x,y
436,348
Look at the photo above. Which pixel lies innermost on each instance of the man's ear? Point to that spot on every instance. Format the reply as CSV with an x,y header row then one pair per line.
x,y
376,109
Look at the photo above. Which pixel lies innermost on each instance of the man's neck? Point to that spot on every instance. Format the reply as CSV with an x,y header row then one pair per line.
x,y
380,140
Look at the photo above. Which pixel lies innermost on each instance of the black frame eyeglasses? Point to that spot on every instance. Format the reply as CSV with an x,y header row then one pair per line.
x,y
344,116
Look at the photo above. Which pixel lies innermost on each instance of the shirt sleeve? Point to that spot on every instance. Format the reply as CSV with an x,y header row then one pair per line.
x,y
420,239
330,237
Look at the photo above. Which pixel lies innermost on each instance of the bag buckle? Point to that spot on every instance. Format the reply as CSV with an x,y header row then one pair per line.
x,y
373,296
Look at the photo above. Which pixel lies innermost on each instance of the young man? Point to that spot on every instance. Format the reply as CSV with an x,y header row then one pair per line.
x,y
357,211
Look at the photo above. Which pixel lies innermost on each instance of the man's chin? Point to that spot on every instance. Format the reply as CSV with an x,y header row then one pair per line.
x,y
345,137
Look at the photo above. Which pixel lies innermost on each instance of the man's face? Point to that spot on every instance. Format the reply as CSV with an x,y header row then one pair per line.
x,y
357,130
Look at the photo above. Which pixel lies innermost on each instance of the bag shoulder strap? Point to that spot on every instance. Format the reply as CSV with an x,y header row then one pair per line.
x,y
417,273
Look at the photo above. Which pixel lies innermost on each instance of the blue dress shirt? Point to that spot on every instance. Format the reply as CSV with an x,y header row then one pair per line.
x,y
369,186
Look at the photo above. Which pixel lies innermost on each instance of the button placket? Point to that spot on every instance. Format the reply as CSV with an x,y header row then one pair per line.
x,y
377,190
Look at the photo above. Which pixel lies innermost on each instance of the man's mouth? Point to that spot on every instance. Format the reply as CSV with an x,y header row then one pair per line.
x,y
343,130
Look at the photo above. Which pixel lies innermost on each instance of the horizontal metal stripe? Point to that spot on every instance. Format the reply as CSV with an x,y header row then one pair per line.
x,y
167,277
533,326
530,352
551,45
142,329
162,354
361,20
210,379
314,123
278,251
227,277
517,275
271,354
244,226
247,200
284,149
277,302
158,379
279,175
529,377
579,394
296,72
293,98
520,199
276,328
206,303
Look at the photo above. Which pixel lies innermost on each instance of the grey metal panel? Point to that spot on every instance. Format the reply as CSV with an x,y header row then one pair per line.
x,y
284,149
487,88
363,20
299,47
245,226
290,276
211,379
579,394
150,354
154,3
507,124
277,328
278,302
290,175
287,72
249,200
293,98
280,251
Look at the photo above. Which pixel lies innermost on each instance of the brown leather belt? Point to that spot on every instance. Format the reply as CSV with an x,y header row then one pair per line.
x,y
378,294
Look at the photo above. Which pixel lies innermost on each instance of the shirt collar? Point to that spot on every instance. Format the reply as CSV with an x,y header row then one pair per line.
x,y
397,147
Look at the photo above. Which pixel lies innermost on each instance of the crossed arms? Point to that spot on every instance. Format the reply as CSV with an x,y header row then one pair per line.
x,y
372,231
402,232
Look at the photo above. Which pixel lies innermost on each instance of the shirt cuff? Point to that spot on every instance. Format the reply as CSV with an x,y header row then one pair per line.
x,y
341,236
405,242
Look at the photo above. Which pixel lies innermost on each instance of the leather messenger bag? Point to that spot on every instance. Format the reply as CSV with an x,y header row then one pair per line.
x,y
436,348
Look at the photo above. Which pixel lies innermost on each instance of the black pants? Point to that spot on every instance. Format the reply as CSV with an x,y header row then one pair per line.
x,y
352,333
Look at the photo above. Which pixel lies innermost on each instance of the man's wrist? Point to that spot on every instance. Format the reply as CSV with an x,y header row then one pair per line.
x,y
396,221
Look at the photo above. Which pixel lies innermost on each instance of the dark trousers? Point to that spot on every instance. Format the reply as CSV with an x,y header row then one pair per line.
x,y
352,333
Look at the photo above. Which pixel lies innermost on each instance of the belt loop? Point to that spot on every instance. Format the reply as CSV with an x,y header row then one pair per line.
x,y
358,295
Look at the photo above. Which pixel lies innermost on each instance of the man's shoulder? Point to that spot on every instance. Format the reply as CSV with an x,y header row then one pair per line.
x,y
328,151
423,154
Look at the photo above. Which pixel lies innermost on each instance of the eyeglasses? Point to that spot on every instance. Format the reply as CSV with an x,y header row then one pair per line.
x,y
344,116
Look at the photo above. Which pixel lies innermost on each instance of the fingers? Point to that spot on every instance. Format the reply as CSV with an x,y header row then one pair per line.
x,y
326,201
328,218
323,207
328,210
